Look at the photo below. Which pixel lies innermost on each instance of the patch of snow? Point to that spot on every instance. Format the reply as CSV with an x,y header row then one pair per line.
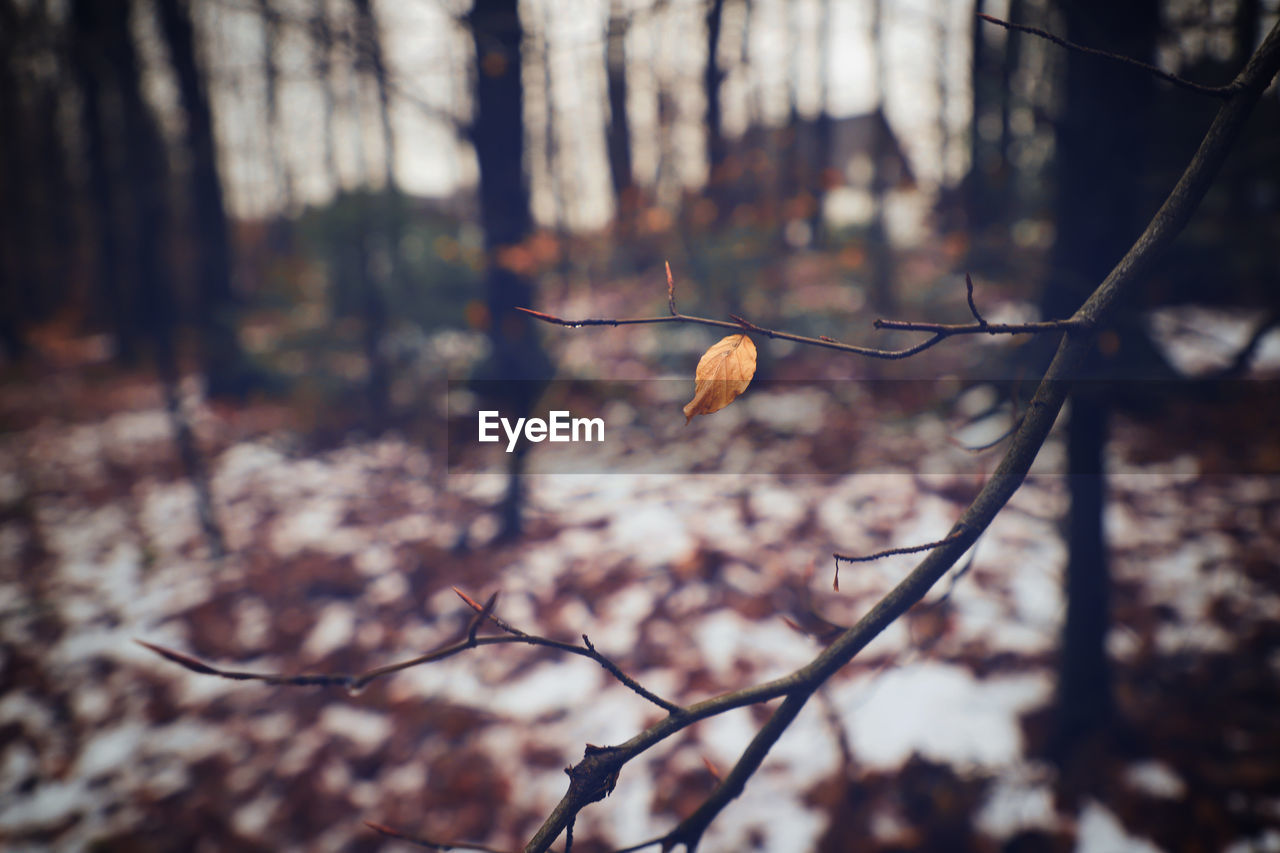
x,y
939,711
724,638
1199,340
620,617
375,560
366,729
252,819
1156,779
655,534
1099,831
546,688
768,808
1019,799
168,515
333,630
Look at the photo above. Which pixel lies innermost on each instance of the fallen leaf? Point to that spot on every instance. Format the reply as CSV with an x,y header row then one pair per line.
x,y
724,372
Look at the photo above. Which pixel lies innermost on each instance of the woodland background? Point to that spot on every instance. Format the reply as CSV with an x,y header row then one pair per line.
x,y
251,251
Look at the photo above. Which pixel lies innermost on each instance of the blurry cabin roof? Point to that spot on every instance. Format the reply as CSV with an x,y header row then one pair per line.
x,y
854,140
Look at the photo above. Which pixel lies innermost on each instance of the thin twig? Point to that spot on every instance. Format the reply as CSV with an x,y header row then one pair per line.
x,y
973,307
355,683
940,331
983,328
1216,91
671,292
910,549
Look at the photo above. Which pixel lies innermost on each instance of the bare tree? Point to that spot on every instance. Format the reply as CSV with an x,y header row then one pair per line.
x,y
595,775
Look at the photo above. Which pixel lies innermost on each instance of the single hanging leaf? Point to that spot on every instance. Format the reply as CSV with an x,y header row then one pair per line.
x,y
724,372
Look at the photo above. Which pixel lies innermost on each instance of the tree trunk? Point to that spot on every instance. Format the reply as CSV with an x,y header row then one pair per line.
x,y
618,132
383,232
1100,149
517,364
881,296
712,77
225,366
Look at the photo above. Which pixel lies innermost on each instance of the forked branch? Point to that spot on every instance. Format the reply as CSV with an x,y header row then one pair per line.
x,y
939,331
482,613
1181,82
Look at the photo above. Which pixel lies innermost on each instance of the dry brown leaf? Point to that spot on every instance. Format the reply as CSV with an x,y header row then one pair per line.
x,y
724,372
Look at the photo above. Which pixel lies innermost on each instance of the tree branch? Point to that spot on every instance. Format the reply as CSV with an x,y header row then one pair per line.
x,y
940,331
1216,91
1030,436
356,683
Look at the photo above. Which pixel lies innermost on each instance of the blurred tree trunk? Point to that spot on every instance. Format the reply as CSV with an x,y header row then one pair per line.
x,y
1001,170
322,71
942,84
618,132
1248,29
227,373
135,199
880,253
988,84
517,360
37,233
556,163
1100,149
143,184
712,77
821,169
93,76
381,267
12,340
271,32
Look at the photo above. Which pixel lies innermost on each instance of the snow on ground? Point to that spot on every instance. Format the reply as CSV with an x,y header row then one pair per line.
x,y
344,560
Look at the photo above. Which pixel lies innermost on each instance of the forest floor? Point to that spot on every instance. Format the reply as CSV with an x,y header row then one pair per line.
x,y
344,554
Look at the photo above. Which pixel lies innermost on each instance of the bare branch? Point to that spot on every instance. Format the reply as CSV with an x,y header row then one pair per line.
x,y
889,552
671,292
946,330
910,549
1216,91
968,295
356,683
1041,414
1043,410
941,331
